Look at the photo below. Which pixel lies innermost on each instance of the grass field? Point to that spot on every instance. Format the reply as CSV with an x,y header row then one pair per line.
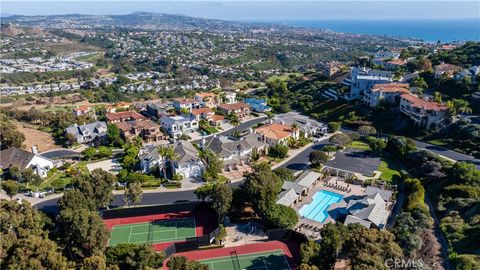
x,y
153,232
389,168
269,260
359,145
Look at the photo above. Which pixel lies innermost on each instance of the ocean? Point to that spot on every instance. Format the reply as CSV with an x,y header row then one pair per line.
x,y
427,30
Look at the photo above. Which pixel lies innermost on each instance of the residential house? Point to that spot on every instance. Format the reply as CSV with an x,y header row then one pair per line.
x,y
292,192
371,210
16,157
229,97
235,152
84,110
146,129
395,64
448,69
329,69
185,104
239,108
206,99
157,110
113,108
386,93
89,132
175,126
188,163
124,116
274,133
257,104
471,73
306,125
150,158
364,79
424,113
208,115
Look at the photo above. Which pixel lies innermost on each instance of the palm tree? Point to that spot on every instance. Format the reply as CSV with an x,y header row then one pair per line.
x,y
235,121
171,157
294,128
162,151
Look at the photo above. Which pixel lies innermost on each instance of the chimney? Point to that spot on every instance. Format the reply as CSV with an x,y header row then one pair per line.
x,y
283,122
203,142
250,130
34,149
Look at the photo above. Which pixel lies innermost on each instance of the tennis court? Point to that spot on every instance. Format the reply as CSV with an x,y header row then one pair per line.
x,y
157,231
269,260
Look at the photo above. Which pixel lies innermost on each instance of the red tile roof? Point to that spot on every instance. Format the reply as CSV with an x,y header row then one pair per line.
x,y
233,106
274,131
201,110
423,104
125,116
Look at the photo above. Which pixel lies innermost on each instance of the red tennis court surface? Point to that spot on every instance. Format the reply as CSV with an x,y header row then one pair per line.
x,y
205,222
287,249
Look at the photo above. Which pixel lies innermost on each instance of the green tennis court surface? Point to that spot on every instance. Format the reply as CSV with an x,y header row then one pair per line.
x,y
269,260
153,232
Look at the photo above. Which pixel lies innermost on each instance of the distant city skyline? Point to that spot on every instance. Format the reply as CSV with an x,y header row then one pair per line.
x,y
257,10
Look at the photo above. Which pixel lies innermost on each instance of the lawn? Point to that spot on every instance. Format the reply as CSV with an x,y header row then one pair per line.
x,y
389,168
359,145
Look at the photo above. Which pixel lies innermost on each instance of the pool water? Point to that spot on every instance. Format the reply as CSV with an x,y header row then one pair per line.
x,y
317,210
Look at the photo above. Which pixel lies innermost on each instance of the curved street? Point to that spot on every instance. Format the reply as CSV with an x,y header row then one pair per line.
x,y
297,163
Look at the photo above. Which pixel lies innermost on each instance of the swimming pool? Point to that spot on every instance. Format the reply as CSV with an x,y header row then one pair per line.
x,y
317,210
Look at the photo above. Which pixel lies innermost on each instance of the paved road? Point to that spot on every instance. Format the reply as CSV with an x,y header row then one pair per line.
x,y
59,153
448,153
437,150
300,162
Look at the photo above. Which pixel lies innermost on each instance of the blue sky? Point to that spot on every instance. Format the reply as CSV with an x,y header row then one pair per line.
x,y
257,10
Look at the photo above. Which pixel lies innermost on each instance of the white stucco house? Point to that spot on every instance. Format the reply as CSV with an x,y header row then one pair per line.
x,y
16,157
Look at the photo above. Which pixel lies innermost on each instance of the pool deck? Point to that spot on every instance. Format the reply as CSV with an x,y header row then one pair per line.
x,y
310,227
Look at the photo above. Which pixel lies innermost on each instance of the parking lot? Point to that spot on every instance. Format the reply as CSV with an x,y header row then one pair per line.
x,y
355,160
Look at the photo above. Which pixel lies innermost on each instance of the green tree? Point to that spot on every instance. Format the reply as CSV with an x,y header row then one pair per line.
x,y
329,149
340,139
14,173
34,252
104,151
27,175
95,262
214,165
133,194
367,130
36,180
308,251
280,216
114,135
181,263
278,151
234,121
82,232
97,187
317,158
134,256
74,199
261,188
89,153
334,126
285,174
9,135
376,145
10,187
221,199
203,192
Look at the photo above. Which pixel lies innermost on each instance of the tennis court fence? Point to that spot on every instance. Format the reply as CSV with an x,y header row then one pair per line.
x,y
151,210
284,234
192,243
